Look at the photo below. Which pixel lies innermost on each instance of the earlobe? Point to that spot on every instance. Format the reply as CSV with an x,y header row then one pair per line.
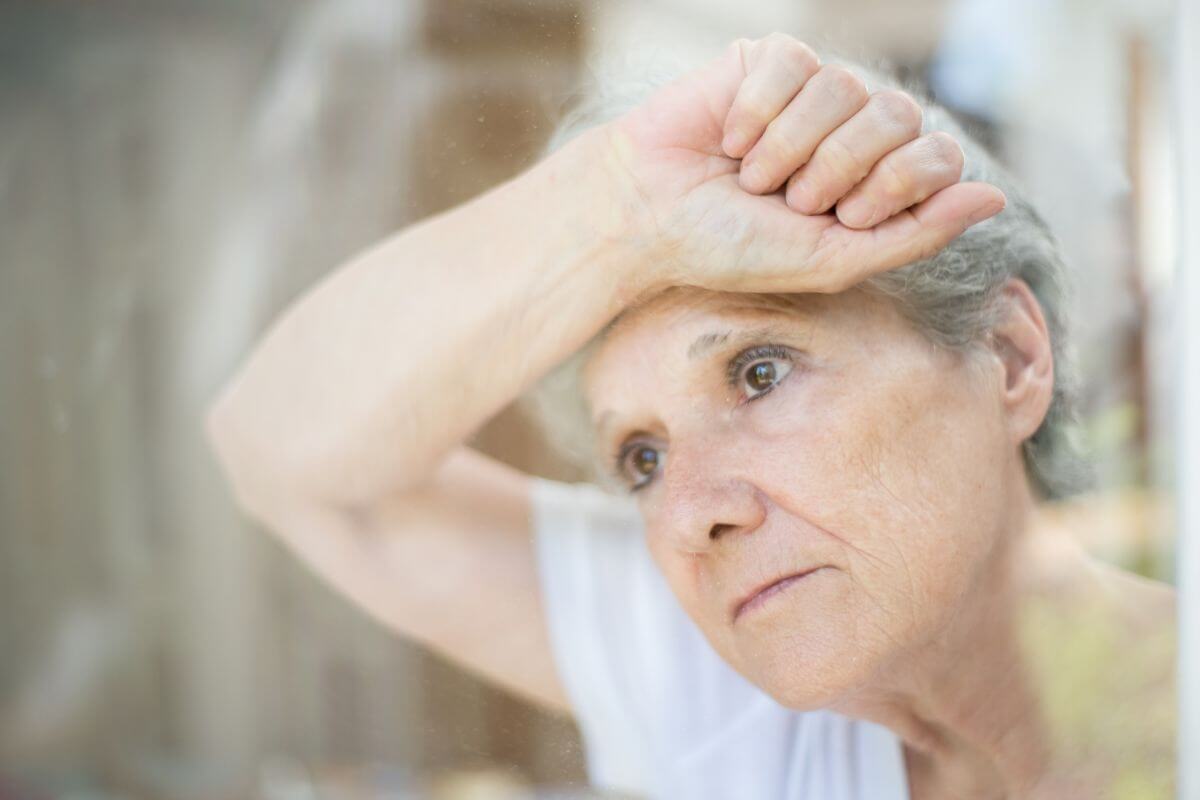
x,y
1021,341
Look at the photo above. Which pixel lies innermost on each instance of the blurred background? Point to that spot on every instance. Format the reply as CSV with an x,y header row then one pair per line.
x,y
173,173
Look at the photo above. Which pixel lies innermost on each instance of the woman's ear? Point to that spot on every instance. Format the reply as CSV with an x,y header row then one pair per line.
x,y
1022,343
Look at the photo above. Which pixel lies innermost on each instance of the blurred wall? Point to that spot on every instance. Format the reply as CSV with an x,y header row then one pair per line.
x,y
171,175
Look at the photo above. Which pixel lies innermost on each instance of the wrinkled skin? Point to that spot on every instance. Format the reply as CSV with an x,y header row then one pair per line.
x,y
1009,662
878,456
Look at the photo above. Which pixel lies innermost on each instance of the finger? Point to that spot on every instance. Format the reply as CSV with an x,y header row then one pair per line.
x,y
847,256
902,178
777,67
831,97
888,120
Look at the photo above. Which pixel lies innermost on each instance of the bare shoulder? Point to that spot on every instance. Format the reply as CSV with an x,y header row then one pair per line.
x,y
1101,646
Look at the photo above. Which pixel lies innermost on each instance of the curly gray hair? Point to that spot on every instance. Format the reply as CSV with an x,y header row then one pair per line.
x,y
950,297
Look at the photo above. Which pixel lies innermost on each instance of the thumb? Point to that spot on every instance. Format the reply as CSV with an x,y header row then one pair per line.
x,y
847,256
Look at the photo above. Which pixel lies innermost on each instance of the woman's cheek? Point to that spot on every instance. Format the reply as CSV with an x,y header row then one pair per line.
x,y
850,449
809,422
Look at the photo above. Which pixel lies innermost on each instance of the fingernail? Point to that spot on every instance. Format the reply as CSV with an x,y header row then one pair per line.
x,y
733,143
984,212
754,177
859,215
798,197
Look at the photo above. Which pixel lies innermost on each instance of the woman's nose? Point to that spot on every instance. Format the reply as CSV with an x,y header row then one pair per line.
x,y
707,495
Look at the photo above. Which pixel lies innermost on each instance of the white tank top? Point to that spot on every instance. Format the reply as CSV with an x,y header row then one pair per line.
x,y
660,713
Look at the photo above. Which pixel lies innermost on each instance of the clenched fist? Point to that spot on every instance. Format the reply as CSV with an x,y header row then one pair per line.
x,y
768,171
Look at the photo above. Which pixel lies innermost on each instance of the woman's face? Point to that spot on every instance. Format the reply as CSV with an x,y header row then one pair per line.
x,y
822,435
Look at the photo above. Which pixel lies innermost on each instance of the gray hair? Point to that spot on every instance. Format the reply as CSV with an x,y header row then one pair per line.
x,y
950,297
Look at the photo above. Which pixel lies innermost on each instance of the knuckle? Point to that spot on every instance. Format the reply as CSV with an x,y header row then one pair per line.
x,y
779,138
948,151
834,157
761,49
893,183
754,106
800,59
841,82
900,109
742,49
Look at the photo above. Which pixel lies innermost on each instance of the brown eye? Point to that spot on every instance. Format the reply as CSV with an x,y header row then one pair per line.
x,y
762,376
639,463
645,460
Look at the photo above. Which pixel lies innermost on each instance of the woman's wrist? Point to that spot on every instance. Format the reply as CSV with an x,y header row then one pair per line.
x,y
584,187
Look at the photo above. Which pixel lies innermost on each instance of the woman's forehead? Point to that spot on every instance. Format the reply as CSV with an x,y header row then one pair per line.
x,y
692,297
681,324
667,311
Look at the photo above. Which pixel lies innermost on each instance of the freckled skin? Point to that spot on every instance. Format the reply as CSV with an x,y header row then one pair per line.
x,y
879,455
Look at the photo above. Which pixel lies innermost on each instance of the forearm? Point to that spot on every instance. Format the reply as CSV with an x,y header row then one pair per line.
x,y
367,380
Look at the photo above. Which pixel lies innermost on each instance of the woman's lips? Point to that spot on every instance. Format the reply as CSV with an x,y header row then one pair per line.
x,y
764,594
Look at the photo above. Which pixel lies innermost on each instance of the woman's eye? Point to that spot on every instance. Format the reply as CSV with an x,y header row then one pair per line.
x,y
762,375
638,464
758,370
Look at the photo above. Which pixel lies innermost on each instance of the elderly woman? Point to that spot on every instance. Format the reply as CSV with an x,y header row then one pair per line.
x,y
831,415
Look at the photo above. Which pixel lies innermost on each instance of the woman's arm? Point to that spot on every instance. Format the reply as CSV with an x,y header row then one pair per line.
x,y
342,432
378,371
398,356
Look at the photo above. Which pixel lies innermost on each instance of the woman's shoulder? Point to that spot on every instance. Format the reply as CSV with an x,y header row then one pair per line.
x,y
1101,645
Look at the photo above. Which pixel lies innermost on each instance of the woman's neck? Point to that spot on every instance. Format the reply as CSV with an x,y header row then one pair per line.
x,y
1014,696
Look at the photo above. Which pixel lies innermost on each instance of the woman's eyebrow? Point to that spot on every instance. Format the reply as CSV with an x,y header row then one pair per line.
x,y
705,342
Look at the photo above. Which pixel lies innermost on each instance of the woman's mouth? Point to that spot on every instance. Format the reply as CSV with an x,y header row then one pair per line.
x,y
764,594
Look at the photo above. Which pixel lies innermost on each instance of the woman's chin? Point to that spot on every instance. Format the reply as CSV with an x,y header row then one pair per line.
x,y
806,686
808,669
